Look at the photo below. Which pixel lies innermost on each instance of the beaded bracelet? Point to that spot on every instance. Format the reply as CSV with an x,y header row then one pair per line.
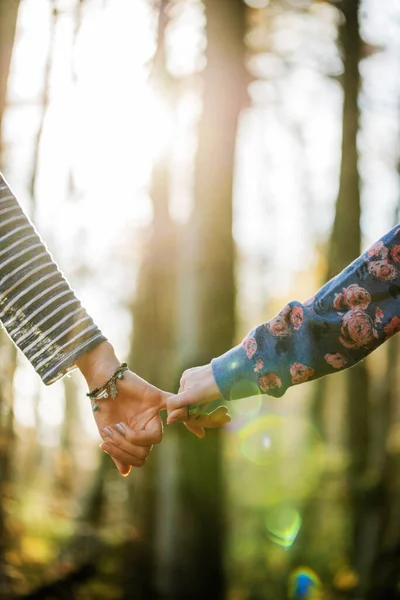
x,y
109,388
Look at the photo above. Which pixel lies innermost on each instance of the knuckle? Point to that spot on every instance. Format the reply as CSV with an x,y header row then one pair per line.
x,y
131,437
142,452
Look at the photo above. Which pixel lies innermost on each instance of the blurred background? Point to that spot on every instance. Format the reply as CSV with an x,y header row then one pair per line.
x,y
192,166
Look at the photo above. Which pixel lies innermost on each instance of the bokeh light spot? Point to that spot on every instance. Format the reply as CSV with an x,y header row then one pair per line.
x,y
304,584
246,408
257,3
290,452
345,579
283,525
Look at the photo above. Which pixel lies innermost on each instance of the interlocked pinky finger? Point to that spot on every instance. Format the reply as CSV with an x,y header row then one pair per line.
x,y
122,456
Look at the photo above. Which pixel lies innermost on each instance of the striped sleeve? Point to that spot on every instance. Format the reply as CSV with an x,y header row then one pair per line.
x,y
38,309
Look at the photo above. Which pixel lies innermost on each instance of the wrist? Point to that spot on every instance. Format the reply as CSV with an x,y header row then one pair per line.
x,y
211,388
98,364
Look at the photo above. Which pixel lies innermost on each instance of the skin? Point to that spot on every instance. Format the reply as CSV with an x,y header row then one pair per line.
x,y
197,388
130,424
137,406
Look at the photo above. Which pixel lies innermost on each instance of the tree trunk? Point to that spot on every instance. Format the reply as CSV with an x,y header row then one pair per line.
x,y
195,562
8,23
153,350
345,242
344,247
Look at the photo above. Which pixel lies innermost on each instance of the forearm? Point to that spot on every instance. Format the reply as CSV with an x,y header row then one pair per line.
x,y
346,320
38,308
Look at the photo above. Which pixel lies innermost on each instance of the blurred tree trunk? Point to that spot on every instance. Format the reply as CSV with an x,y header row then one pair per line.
x,y
344,247
383,576
345,242
194,562
8,21
8,361
153,350
71,431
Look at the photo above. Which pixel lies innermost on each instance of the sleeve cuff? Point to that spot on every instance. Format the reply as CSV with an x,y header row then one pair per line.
x,y
234,375
66,363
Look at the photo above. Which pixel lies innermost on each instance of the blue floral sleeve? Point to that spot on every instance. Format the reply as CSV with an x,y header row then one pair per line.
x,y
346,320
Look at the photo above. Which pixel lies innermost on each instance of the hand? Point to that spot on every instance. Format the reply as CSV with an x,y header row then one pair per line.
x,y
130,423
197,387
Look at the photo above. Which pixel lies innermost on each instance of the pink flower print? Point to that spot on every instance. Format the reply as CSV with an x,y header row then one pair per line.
x,y
270,381
382,269
300,373
357,329
378,250
392,327
353,296
259,365
379,314
338,301
296,317
356,296
250,346
395,254
337,360
279,325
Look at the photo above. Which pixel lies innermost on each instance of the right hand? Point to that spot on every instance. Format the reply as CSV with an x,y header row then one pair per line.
x,y
197,388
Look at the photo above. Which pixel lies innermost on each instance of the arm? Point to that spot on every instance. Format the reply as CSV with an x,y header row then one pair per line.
x,y
38,309
346,320
44,318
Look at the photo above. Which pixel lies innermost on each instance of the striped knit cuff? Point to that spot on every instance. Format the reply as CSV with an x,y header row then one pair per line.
x,y
63,364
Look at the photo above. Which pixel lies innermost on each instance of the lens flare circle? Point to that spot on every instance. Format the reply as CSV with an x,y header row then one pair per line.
x,y
287,450
283,524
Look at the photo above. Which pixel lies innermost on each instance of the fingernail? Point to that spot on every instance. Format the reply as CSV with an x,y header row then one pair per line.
x,y
121,428
108,431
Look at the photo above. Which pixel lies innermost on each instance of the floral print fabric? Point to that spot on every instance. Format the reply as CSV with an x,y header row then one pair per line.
x,y
346,320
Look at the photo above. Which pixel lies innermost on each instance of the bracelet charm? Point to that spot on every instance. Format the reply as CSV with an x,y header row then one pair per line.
x,y
109,388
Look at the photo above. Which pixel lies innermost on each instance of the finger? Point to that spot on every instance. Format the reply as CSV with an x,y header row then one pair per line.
x,y
122,457
145,434
184,399
216,418
179,415
123,469
196,429
116,435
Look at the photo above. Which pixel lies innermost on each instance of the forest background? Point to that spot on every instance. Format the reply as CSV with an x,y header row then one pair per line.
x,y
192,166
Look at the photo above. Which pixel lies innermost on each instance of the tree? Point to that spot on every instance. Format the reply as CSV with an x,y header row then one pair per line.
x,y
207,313
8,21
